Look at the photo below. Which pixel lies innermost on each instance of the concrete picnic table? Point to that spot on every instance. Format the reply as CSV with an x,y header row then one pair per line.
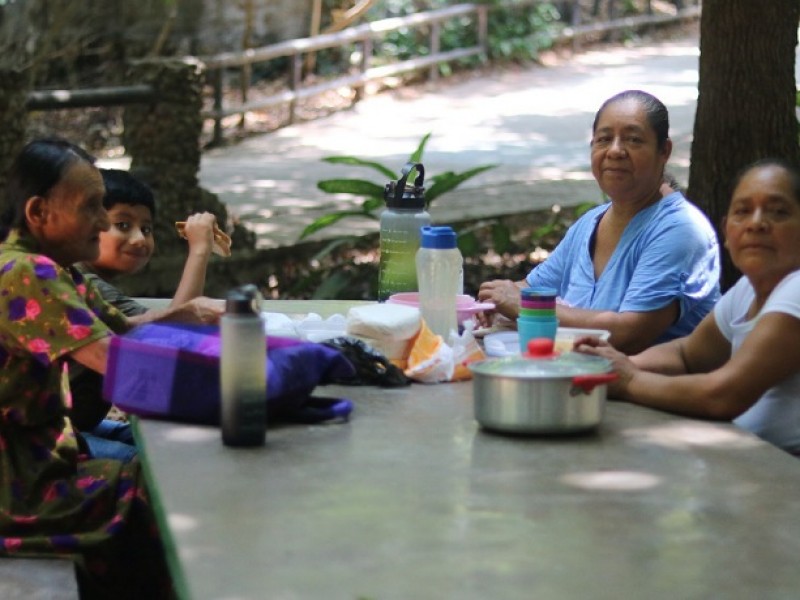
x,y
412,499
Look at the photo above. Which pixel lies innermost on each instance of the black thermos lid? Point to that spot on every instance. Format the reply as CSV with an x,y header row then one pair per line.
x,y
242,300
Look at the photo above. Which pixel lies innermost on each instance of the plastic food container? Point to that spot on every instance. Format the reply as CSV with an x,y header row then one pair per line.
x,y
466,306
506,343
565,336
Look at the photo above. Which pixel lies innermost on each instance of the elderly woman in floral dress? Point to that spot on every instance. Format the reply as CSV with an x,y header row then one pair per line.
x,y
54,500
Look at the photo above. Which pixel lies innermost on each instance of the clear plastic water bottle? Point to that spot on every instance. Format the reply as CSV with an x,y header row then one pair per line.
x,y
401,221
439,273
243,369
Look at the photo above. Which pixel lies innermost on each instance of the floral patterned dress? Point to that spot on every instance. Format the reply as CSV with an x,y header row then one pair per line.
x,y
53,500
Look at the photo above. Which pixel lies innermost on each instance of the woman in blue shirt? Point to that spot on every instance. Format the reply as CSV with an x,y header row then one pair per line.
x,y
644,266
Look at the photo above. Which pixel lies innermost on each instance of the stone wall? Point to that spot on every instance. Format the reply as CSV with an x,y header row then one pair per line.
x,y
163,140
222,25
160,278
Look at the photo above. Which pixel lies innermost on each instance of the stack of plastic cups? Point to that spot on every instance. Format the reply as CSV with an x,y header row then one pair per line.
x,y
537,316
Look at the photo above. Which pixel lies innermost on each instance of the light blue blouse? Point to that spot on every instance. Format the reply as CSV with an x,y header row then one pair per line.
x,y
668,251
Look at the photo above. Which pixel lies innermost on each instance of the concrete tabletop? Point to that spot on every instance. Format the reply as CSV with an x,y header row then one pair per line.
x,y
412,499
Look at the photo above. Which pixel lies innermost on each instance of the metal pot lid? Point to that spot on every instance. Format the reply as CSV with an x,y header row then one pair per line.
x,y
540,365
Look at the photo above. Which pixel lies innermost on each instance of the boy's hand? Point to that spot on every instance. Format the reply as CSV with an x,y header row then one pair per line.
x,y
204,235
203,310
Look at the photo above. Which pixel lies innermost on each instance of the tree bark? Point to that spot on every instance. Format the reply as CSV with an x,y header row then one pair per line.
x,y
746,99
14,86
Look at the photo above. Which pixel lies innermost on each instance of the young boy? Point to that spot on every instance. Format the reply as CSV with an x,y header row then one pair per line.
x,y
126,248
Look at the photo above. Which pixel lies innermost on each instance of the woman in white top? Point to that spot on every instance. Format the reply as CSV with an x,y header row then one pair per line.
x,y
742,362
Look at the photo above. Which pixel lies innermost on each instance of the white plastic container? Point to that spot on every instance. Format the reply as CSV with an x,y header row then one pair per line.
x,y
243,370
439,272
506,343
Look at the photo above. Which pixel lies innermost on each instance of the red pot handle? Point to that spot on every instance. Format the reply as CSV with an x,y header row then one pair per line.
x,y
588,382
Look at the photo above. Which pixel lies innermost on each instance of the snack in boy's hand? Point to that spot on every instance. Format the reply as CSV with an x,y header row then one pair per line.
x,y
222,241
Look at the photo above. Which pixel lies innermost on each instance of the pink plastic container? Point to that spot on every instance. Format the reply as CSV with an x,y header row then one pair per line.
x,y
466,306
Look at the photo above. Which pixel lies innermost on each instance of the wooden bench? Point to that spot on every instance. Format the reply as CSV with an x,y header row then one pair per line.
x,y
38,579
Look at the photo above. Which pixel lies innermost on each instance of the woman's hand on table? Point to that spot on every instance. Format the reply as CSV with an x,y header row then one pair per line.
x,y
504,294
620,363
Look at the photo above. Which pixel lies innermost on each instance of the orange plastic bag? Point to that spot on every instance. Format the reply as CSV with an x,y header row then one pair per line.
x,y
431,360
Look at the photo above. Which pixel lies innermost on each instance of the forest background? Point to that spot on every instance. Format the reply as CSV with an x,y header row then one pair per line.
x,y
747,92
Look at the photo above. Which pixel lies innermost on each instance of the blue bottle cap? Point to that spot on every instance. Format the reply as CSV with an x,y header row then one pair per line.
x,y
442,237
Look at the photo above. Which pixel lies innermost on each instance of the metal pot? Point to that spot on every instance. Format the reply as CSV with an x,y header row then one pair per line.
x,y
544,392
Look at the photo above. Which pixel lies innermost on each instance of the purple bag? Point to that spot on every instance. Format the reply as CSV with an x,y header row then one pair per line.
x,y
171,371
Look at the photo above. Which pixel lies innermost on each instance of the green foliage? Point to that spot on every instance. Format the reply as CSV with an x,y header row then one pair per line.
x,y
497,234
494,247
515,32
372,193
555,228
628,8
519,33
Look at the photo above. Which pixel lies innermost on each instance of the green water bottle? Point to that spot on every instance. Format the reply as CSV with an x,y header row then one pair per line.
x,y
400,235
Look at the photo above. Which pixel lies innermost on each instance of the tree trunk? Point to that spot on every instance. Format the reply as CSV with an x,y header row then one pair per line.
x,y
14,87
746,100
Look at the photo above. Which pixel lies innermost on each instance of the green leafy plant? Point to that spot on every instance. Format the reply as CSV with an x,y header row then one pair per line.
x,y
497,234
518,33
372,192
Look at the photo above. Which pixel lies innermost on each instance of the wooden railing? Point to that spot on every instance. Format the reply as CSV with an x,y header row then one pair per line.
x,y
362,36
221,66
578,31
107,96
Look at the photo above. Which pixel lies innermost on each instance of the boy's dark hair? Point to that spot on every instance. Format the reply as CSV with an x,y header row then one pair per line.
x,y
124,188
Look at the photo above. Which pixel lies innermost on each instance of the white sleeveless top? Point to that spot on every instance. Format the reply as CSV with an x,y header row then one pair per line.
x,y
776,415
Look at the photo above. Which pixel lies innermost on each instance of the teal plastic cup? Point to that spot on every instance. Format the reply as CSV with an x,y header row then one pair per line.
x,y
546,313
530,329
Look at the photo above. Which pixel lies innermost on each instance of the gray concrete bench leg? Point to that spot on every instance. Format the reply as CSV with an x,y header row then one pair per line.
x,y
38,579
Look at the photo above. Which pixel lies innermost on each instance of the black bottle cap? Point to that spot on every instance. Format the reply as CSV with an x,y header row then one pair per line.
x,y
399,194
242,300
